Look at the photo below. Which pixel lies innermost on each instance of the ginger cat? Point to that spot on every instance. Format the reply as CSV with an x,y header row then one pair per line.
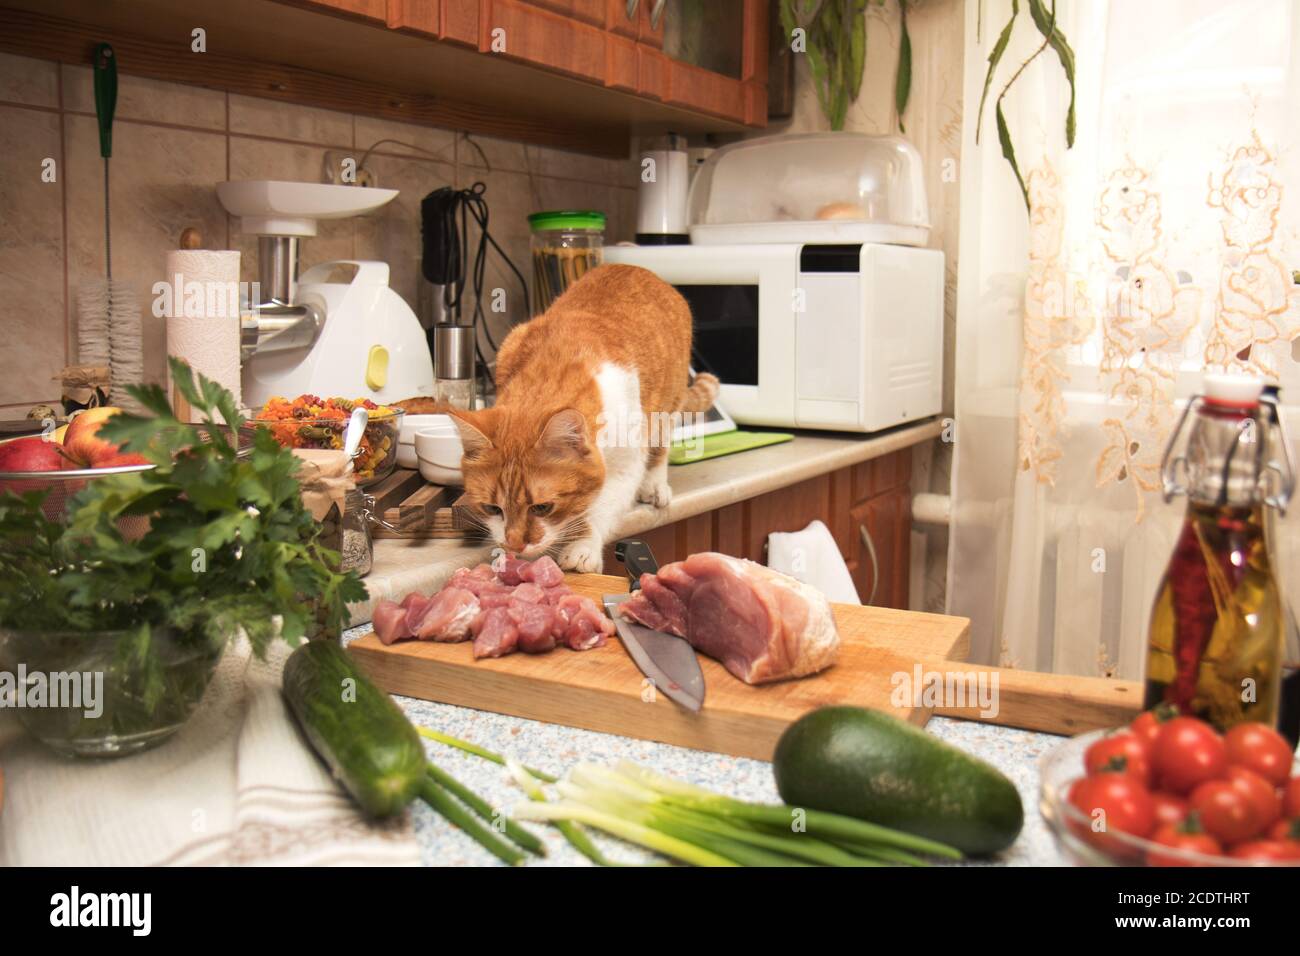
x,y
579,432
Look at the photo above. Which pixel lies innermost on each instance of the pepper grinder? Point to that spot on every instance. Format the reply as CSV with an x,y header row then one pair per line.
x,y
453,365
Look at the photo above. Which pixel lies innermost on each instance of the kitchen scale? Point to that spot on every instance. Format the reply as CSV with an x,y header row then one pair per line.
x,y
336,330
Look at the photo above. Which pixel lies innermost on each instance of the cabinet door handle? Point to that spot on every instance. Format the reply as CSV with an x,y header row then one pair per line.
x,y
631,8
875,565
656,13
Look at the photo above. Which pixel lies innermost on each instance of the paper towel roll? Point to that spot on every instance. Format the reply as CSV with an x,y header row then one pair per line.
x,y
203,322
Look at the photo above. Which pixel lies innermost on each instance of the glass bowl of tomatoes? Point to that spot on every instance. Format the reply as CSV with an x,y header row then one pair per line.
x,y
1170,790
309,421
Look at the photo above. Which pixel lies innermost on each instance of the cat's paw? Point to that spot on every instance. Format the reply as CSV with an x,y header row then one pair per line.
x,y
583,556
654,490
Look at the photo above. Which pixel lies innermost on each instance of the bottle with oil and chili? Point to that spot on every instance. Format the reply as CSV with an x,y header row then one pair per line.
x,y
1216,640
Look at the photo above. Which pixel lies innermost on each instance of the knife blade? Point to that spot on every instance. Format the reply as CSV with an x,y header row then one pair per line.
x,y
668,660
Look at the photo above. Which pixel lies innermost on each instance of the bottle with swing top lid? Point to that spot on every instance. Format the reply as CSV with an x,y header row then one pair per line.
x,y
1214,648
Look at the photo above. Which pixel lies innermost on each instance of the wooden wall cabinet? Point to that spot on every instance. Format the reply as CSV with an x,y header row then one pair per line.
x,y
597,40
874,497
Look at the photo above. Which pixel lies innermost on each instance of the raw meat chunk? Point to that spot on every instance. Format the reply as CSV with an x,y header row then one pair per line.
x,y
448,616
534,623
390,622
760,624
543,572
585,626
497,634
414,604
529,592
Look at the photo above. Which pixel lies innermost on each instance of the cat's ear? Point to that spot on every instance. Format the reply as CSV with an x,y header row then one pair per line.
x,y
565,436
473,438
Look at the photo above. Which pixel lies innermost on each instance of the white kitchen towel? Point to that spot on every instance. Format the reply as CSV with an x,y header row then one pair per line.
x,y
238,784
203,323
812,556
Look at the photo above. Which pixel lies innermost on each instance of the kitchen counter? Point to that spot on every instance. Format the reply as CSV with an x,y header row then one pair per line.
x,y
424,564
555,748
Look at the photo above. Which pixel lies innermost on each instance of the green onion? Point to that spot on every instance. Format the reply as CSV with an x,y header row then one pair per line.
x,y
800,846
476,750
819,823
612,793
632,832
571,831
514,831
443,802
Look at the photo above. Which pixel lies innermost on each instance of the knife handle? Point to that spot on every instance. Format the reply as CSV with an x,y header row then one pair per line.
x,y
637,558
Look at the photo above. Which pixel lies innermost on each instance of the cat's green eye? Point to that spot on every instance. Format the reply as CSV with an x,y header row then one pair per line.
x,y
492,510
542,510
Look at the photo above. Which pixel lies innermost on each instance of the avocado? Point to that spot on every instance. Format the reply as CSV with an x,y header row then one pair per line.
x,y
869,765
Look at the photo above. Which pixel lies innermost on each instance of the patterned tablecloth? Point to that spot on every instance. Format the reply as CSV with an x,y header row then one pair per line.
x,y
555,748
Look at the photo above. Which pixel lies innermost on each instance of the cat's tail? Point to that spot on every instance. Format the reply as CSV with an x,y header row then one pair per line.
x,y
702,393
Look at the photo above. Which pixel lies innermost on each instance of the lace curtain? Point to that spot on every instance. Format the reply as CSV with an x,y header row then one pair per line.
x,y
1164,243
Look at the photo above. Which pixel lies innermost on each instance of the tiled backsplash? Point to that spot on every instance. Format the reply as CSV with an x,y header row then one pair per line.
x,y
172,144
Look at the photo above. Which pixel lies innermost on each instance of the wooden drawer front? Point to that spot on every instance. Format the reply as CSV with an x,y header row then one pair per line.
x,y
705,91
459,21
754,62
651,73
620,63
617,20
417,16
882,474
592,11
887,519
790,509
545,39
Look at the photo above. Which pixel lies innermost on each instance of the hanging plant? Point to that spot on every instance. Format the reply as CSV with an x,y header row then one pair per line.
x,y
835,40
1045,21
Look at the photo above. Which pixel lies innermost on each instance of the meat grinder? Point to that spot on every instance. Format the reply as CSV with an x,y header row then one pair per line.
x,y
336,330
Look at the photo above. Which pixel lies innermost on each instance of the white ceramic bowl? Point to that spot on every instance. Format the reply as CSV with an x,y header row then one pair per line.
x,y
406,456
439,451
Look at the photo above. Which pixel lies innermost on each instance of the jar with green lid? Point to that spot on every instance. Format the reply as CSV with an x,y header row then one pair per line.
x,y
565,245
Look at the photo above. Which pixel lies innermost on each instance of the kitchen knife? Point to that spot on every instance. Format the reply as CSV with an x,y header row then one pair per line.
x,y
668,660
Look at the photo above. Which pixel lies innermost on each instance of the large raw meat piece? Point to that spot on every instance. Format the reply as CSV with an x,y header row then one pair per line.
x,y
760,624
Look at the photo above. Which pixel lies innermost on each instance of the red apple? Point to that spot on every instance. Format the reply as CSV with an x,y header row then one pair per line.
x,y
82,447
28,454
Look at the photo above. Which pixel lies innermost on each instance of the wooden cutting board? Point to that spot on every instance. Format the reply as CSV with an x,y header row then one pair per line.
x,y
603,690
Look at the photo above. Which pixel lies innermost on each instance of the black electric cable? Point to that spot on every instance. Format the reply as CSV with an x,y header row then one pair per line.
x,y
445,215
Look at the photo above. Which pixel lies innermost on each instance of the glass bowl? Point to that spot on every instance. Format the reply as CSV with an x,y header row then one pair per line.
x,y
1071,827
102,696
375,459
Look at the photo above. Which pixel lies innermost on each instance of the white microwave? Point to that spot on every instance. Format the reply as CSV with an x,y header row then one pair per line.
x,y
846,337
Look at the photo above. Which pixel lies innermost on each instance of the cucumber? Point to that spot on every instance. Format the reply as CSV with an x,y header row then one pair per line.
x,y
875,767
363,737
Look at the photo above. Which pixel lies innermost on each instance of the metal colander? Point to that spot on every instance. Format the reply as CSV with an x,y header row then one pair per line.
x,y
64,484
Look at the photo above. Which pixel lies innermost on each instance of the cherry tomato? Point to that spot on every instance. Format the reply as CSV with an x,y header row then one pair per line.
x,y
1291,798
1187,752
1169,808
1146,726
1119,753
1114,802
1266,851
1225,812
1183,836
1261,794
1259,748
